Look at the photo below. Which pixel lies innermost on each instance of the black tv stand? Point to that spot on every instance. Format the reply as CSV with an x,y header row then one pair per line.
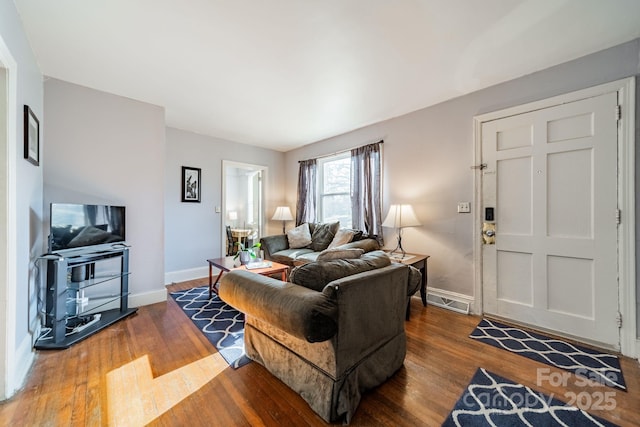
x,y
86,291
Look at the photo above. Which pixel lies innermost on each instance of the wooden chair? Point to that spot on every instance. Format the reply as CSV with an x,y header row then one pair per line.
x,y
230,245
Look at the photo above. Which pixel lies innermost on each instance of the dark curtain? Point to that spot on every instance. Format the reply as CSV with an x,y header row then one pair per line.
x,y
306,206
91,214
366,206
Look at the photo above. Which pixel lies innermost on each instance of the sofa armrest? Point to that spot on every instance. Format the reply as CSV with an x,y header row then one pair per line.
x,y
372,311
272,244
414,282
301,312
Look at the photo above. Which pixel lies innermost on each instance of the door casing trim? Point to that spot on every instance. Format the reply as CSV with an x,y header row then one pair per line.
x,y
265,173
626,197
12,373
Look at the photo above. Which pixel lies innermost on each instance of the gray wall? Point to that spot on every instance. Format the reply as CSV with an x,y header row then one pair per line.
x,y
193,231
427,155
106,149
25,87
638,206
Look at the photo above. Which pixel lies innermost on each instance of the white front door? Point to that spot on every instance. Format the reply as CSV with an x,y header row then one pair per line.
x,y
551,177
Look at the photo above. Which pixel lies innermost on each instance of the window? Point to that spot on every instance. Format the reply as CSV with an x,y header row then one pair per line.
x,y
343,187
334,189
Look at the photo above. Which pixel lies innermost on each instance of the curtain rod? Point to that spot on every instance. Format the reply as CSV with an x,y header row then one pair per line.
x,y
335,153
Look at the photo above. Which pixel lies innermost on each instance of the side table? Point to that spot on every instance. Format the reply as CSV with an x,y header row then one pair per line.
x,y
420,262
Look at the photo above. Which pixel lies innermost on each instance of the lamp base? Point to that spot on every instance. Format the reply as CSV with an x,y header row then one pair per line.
x,y
398,249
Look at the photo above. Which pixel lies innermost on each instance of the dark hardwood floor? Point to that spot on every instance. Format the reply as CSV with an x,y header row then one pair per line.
x,y
106,379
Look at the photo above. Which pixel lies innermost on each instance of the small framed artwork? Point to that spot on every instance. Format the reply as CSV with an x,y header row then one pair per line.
x,y
190,184
31,136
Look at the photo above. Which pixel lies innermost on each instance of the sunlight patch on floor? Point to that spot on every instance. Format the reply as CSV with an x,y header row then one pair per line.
x,y
135,398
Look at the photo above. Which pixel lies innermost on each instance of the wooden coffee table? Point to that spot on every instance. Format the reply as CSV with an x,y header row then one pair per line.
x,y
227,264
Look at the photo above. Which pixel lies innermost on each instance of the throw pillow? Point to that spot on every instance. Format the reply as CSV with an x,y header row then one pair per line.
x,y
342,236
339,253
316,275
359,235
323,235
299,237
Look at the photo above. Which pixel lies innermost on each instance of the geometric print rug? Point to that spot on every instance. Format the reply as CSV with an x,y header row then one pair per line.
x,y
491,400
219,322
602,368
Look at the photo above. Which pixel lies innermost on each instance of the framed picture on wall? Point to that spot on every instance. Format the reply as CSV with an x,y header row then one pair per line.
x,y
190,184
31,136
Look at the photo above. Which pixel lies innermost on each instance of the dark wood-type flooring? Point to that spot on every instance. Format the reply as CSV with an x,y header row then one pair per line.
x,y
68,387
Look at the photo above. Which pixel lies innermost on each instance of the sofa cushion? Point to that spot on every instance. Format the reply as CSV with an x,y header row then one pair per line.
x,y
316,275
367,245
299,237
287,256
339,253
326,255
343,236
323,235
306,257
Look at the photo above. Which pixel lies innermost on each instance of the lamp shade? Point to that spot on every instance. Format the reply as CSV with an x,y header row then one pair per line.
x,y
283,213
400,216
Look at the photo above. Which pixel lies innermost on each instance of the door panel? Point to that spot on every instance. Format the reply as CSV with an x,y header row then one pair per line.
x,y
568,277
516,270
515,193
568,171
552,178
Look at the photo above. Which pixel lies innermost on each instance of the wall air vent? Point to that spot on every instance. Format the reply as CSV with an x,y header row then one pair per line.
x,y
448,303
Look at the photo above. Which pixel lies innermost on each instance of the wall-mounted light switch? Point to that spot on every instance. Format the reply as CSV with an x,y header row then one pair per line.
x,y
464,207
218,209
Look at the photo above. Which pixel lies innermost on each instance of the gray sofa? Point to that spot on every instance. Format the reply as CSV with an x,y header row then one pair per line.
x,y
334,335
276,248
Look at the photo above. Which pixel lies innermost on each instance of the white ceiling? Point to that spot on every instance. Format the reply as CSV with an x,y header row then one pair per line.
x,y
285,73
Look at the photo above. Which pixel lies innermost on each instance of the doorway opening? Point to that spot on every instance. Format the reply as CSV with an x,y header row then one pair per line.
x,y
243,195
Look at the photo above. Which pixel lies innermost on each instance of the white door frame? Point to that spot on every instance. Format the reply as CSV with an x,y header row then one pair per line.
x,y
8,225
230,163
626,198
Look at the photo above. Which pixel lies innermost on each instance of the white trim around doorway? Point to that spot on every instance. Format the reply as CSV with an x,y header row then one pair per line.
x,y
265,172
629,344
12,367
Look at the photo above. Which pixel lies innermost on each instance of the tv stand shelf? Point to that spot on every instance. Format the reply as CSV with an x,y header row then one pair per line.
x,y
86,291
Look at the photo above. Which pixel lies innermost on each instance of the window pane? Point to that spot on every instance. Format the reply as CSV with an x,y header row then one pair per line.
x,y
336,176
337,208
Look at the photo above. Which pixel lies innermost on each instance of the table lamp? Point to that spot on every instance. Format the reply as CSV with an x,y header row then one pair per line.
x,y
399,217
283,213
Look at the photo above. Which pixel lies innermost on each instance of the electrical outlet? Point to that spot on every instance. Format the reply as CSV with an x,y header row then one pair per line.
x,y
464,207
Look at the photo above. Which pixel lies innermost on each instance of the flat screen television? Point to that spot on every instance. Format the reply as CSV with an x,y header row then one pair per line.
x,y
75,226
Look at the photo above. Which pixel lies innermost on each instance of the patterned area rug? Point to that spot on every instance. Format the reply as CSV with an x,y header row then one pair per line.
x,y
602,368
219,322
491,400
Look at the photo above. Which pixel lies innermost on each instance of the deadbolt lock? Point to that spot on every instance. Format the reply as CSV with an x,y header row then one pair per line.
x,y
489,233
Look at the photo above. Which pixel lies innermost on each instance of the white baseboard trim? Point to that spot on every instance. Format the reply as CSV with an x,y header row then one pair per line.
x,y
24,358
638,349
147,298
445,294
184,275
